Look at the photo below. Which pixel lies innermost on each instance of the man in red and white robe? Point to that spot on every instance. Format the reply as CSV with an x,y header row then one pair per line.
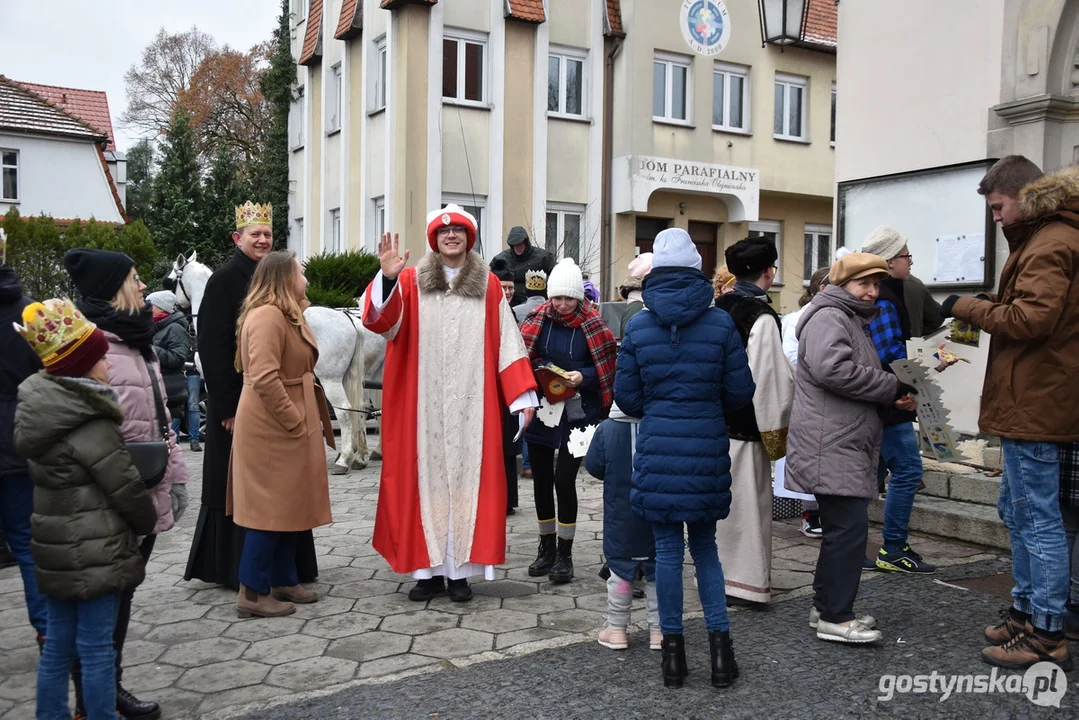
x,y
455,357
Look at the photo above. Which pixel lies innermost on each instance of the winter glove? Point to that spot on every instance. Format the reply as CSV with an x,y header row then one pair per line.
x,y
947,305
904,390
178,493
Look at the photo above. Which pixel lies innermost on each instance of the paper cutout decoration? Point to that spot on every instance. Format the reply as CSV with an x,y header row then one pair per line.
x,y
931,412
550,414
579,440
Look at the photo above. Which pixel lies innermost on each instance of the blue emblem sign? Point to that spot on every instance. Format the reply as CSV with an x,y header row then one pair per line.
x,y
706,25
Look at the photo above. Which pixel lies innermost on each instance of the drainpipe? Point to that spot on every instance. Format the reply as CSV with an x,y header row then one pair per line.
x,y
606,243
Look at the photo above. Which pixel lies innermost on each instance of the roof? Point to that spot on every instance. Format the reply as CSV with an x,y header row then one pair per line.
x,y
526,10
820,25
351,23
24,110
90,106
614,19
311,53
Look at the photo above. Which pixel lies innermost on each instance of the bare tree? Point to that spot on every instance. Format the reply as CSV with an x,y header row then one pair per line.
x,y
155,85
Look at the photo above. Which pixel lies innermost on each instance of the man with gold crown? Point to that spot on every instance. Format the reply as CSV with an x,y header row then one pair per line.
x,y
218,542
455,358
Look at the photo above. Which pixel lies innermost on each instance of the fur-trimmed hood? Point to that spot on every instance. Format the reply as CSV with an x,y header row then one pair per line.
x,y
629,285
1050,194
472,281
51,406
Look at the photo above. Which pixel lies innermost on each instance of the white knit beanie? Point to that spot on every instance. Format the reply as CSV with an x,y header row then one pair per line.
x,y
566,280
884,241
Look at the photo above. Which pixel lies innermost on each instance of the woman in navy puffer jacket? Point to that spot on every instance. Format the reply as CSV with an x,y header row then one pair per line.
x,y
680,366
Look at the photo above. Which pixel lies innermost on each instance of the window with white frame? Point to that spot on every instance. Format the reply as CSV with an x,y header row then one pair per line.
x,y
832,137
299,9
380,219
464,70
771,230
818,250
730,97
9,175
298,110
671,84
566,82
333,120
335,231
474,205
381,69
790,107
564,228
301,248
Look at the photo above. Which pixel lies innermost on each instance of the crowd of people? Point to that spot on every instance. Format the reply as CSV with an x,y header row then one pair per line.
x,y
682,415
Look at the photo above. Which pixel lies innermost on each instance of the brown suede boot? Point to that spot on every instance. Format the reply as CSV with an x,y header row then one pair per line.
x,y
1032,646
249,603
295,593
1011,625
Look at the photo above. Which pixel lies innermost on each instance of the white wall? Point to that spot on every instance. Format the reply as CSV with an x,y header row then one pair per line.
x,y
62,178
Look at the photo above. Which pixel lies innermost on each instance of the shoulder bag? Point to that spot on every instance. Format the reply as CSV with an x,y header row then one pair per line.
x,y
151,457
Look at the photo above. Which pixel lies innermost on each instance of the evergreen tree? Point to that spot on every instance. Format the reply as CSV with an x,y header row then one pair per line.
x,y
140,178
176,190
270,176
223,191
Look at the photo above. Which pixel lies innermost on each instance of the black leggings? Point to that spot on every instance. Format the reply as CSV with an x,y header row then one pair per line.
x,y
547,478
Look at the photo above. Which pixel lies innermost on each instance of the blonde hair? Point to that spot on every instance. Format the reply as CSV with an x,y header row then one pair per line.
x,y
722,279
126,298
271,285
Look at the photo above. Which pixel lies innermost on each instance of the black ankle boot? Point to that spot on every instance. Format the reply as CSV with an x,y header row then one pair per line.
x,y
674,661
562,570
724,667
544,558
134,709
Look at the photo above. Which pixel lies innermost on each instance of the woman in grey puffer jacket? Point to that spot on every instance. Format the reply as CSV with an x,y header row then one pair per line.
x,y
835,432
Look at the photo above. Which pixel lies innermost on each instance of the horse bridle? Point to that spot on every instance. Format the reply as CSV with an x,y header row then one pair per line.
x,y
178,282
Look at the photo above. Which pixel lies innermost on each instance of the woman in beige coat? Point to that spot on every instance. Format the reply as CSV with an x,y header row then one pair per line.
x,y
277,474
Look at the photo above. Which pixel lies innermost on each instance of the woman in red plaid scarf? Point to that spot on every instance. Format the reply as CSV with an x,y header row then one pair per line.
x,y
569,333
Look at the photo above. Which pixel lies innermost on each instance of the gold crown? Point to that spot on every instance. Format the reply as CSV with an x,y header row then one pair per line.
x,y
54,329
535,280
253,214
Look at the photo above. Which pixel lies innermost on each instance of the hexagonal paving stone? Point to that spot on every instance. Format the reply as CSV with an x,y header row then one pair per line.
x,y
239,696
421,622
137,652
499,621
214,596
504,588
223,676
329,562
343,575
179,632
395,664
312,673
203,652
364,588
596,602
255,629
18,637
478,603
13,662
369,646
382,605
342,625
285,649
177,703
155,596
518,637
20,688
324,607
539,603
587,582
164,614
456,642
151,676
572,620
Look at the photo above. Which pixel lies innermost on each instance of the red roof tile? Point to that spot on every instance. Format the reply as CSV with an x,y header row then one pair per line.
x,y
526,10
23,110
351,23
394,4
90,106
614,19
820,27
312,37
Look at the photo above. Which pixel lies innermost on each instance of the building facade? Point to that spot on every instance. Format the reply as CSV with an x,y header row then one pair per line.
x,y
592,123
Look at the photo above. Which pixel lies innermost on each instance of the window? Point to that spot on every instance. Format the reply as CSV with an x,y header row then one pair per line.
x,y
380,76
790,110
380,219
333,123
730,97
818,250
670,88
770,229
563,232
832,137
335,230
463,69
9,168
565,83
299,9
474,205
298,109
301,248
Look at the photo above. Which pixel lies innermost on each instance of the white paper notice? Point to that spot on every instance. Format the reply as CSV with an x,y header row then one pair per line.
x,y
579,440
960,259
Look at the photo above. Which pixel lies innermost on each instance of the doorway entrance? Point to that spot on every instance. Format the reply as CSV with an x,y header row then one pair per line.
x,y
705,236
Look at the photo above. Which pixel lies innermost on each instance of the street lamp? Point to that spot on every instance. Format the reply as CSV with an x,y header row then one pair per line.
x,y
782,21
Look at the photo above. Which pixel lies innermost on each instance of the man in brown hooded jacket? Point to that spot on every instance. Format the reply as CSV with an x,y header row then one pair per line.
x,y
1030,398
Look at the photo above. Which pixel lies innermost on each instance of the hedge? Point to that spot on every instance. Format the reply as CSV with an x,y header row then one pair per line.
x,y
337,280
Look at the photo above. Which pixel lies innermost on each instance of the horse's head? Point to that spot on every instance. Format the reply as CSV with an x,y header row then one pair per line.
x,y
187,280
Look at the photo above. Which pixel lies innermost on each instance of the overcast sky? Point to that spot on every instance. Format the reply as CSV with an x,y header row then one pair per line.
x,y
90,44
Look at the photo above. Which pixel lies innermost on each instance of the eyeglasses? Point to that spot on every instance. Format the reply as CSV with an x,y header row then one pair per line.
x,y
455,229
908,256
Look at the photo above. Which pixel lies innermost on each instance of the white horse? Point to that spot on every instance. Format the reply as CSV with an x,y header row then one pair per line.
x,y
349,355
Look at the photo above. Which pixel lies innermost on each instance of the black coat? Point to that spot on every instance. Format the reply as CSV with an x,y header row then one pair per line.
x,y
534,258
172,341
17,362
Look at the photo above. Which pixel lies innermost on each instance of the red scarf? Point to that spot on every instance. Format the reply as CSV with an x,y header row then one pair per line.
x,y
601,343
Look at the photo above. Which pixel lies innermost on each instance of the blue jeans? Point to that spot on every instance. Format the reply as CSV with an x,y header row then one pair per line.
x,y
899,453
525,465
670,551
1030,508
16,505
268,560
194,417
85,627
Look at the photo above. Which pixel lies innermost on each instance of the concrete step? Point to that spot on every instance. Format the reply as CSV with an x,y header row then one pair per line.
x,y
970,487
967,521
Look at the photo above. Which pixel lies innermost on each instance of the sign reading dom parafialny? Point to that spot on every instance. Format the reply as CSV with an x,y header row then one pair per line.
x,y
699,176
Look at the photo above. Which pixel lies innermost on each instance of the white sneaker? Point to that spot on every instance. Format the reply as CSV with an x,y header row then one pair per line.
x,y
856,632
814,617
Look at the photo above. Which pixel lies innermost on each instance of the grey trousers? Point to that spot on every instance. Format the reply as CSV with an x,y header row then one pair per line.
x,y
620,598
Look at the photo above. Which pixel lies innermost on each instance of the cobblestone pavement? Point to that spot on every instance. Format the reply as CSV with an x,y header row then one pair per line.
x,y
188,651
